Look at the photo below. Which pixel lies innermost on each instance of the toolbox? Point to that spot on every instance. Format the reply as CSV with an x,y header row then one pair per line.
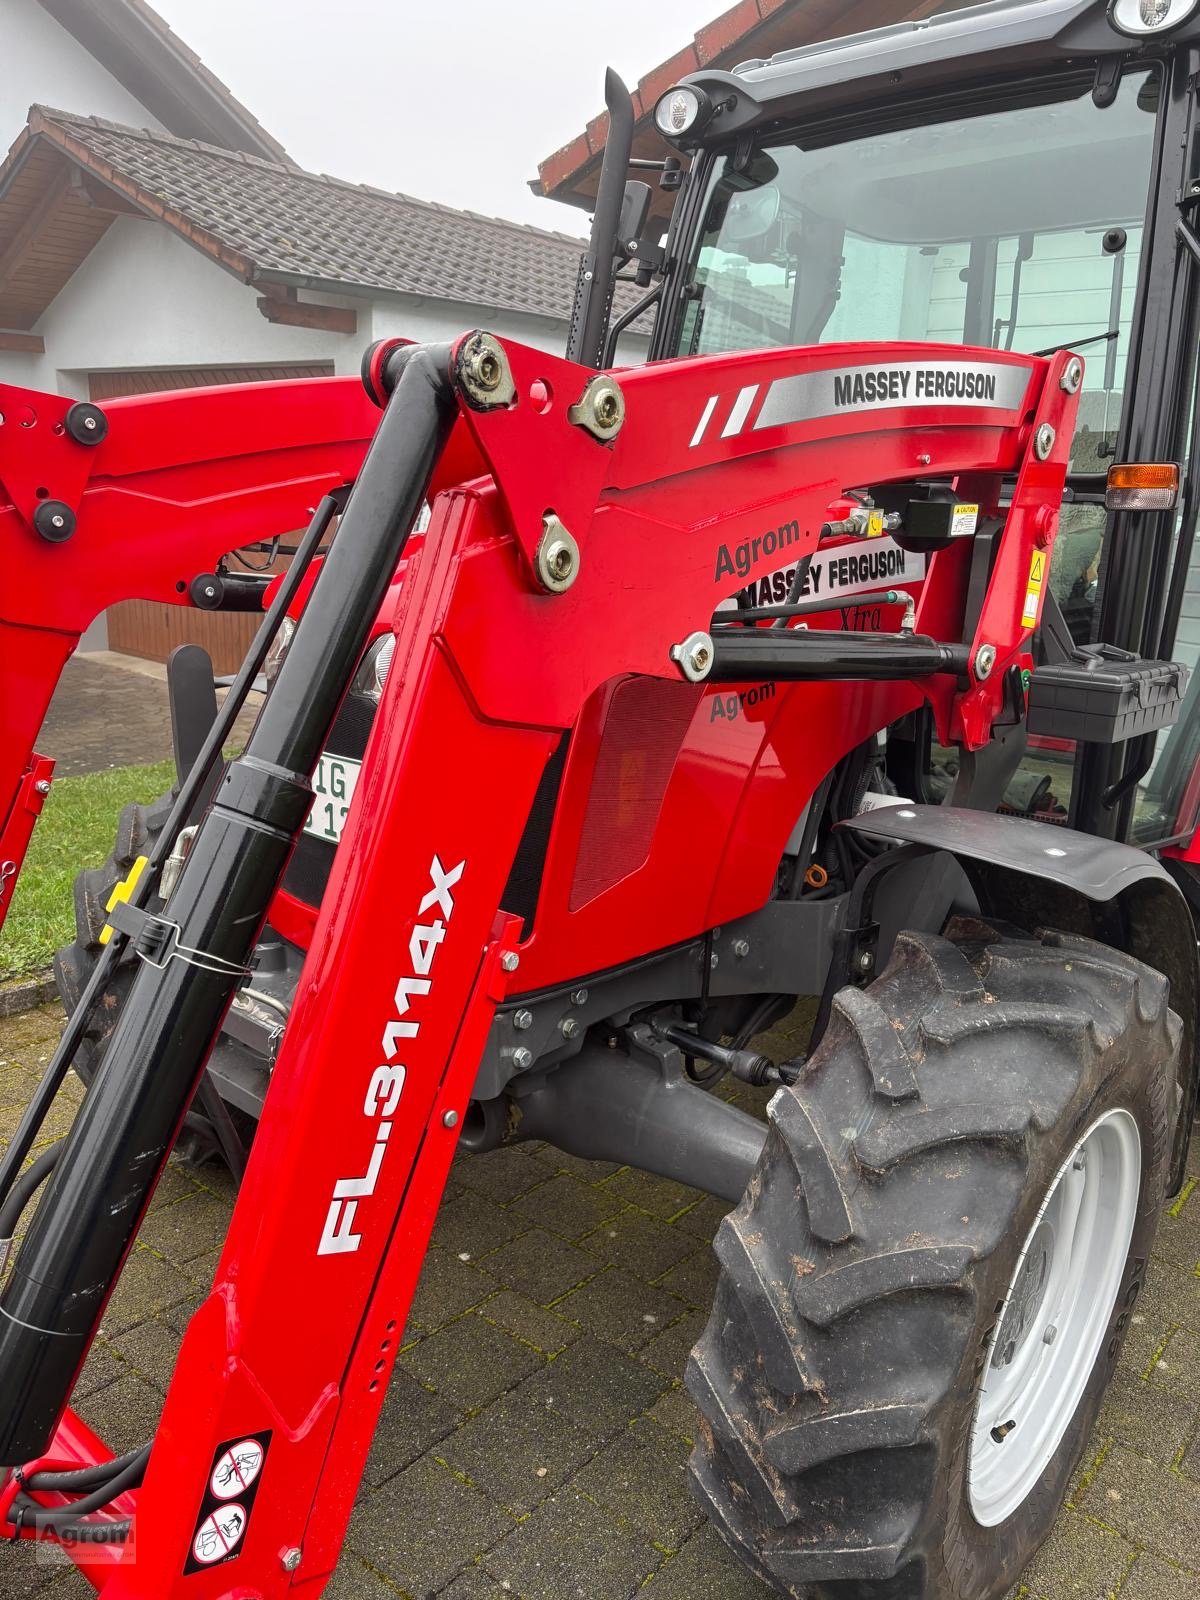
x,y
1103,695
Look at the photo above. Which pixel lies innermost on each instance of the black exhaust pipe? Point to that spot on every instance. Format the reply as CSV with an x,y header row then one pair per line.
x,y
607,1106
598,269
115,1152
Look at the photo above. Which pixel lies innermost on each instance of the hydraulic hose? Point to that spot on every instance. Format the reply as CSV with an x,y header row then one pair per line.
x,y
80,1480
69,1520
21,1193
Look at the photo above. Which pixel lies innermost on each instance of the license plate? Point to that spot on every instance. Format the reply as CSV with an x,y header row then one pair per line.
x,y
334,782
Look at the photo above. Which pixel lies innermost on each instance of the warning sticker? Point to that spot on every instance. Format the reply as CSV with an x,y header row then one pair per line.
x,y
237,1469
964,522
219,1535
1033,598
234,1481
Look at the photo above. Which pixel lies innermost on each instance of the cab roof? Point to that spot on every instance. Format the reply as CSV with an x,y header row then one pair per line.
x,y
954,48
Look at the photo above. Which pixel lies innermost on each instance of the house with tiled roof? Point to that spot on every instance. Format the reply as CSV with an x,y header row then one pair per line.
x,y
137,258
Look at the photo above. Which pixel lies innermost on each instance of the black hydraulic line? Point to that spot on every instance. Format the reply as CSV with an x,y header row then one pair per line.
x,y
208,1097
21,1193
750,654
77,1531
808,608
130,1476
60,1063
796,588
82,1479
70,1520
129,1119
585,343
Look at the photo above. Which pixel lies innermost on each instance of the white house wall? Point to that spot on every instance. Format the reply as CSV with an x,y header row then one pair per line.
x,y
41,63
146,298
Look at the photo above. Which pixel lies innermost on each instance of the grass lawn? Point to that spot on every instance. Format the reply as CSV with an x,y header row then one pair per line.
x,y
76,830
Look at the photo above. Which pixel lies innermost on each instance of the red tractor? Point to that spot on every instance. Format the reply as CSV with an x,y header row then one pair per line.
x,y
832,653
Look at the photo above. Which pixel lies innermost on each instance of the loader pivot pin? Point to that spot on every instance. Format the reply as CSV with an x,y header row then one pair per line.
x,y
483,374
694,656
557,556
600,410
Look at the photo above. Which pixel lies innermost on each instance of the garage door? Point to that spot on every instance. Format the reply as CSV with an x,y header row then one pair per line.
x,y
144,627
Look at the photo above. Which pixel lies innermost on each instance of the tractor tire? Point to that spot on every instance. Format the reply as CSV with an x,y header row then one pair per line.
x,y
891,1276
137,832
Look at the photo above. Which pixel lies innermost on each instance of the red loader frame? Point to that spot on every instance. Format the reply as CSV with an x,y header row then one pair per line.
x,y
412,952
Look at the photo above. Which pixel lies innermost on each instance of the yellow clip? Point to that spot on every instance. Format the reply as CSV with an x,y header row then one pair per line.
x,y
122,892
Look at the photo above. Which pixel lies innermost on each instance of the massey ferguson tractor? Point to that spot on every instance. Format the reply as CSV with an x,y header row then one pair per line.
x,y
834,652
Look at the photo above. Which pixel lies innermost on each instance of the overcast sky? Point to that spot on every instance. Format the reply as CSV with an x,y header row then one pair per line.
x,y
455,101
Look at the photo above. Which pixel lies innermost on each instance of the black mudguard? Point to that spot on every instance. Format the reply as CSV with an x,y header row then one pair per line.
x,y
1034,874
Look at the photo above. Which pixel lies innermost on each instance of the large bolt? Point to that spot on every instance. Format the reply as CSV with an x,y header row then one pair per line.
x,y
484,370
695,657
557,556
450,1119
484,374
1072,378
522,1059
741,948
569,1027
42,786
523,1020
579,997
290,1560
985,660
600,410
1044,441
510,961
560,561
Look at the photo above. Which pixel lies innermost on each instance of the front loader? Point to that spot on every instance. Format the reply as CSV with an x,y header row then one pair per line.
x,y
625,707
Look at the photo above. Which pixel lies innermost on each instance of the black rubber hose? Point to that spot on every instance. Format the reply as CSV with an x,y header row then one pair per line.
x,y
81,1479
82,1532
53,1519
23,1191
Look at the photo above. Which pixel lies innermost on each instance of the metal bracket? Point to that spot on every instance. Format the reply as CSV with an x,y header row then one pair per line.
x,y
156,942
43,461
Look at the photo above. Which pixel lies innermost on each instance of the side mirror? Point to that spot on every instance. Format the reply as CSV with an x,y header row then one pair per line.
x,y
635,213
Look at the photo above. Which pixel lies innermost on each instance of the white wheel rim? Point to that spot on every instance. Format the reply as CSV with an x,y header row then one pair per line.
x,y
1055,1316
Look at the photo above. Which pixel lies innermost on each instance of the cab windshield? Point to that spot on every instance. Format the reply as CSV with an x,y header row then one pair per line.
x,y
1015,225
1018,227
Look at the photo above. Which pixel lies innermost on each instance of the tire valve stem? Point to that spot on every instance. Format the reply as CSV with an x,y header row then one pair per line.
x,y
1001,1433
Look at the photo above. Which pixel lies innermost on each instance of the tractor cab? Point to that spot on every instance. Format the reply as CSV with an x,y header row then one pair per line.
x,y
1015,176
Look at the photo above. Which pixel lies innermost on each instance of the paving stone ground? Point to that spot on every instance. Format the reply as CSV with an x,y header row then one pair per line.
x,y
534,1440
112,711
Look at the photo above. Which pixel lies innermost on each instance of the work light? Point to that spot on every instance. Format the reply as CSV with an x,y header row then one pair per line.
x,y
682,110
1141,18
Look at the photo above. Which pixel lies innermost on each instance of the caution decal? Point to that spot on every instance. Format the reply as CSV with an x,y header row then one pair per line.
x,y
1033,596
